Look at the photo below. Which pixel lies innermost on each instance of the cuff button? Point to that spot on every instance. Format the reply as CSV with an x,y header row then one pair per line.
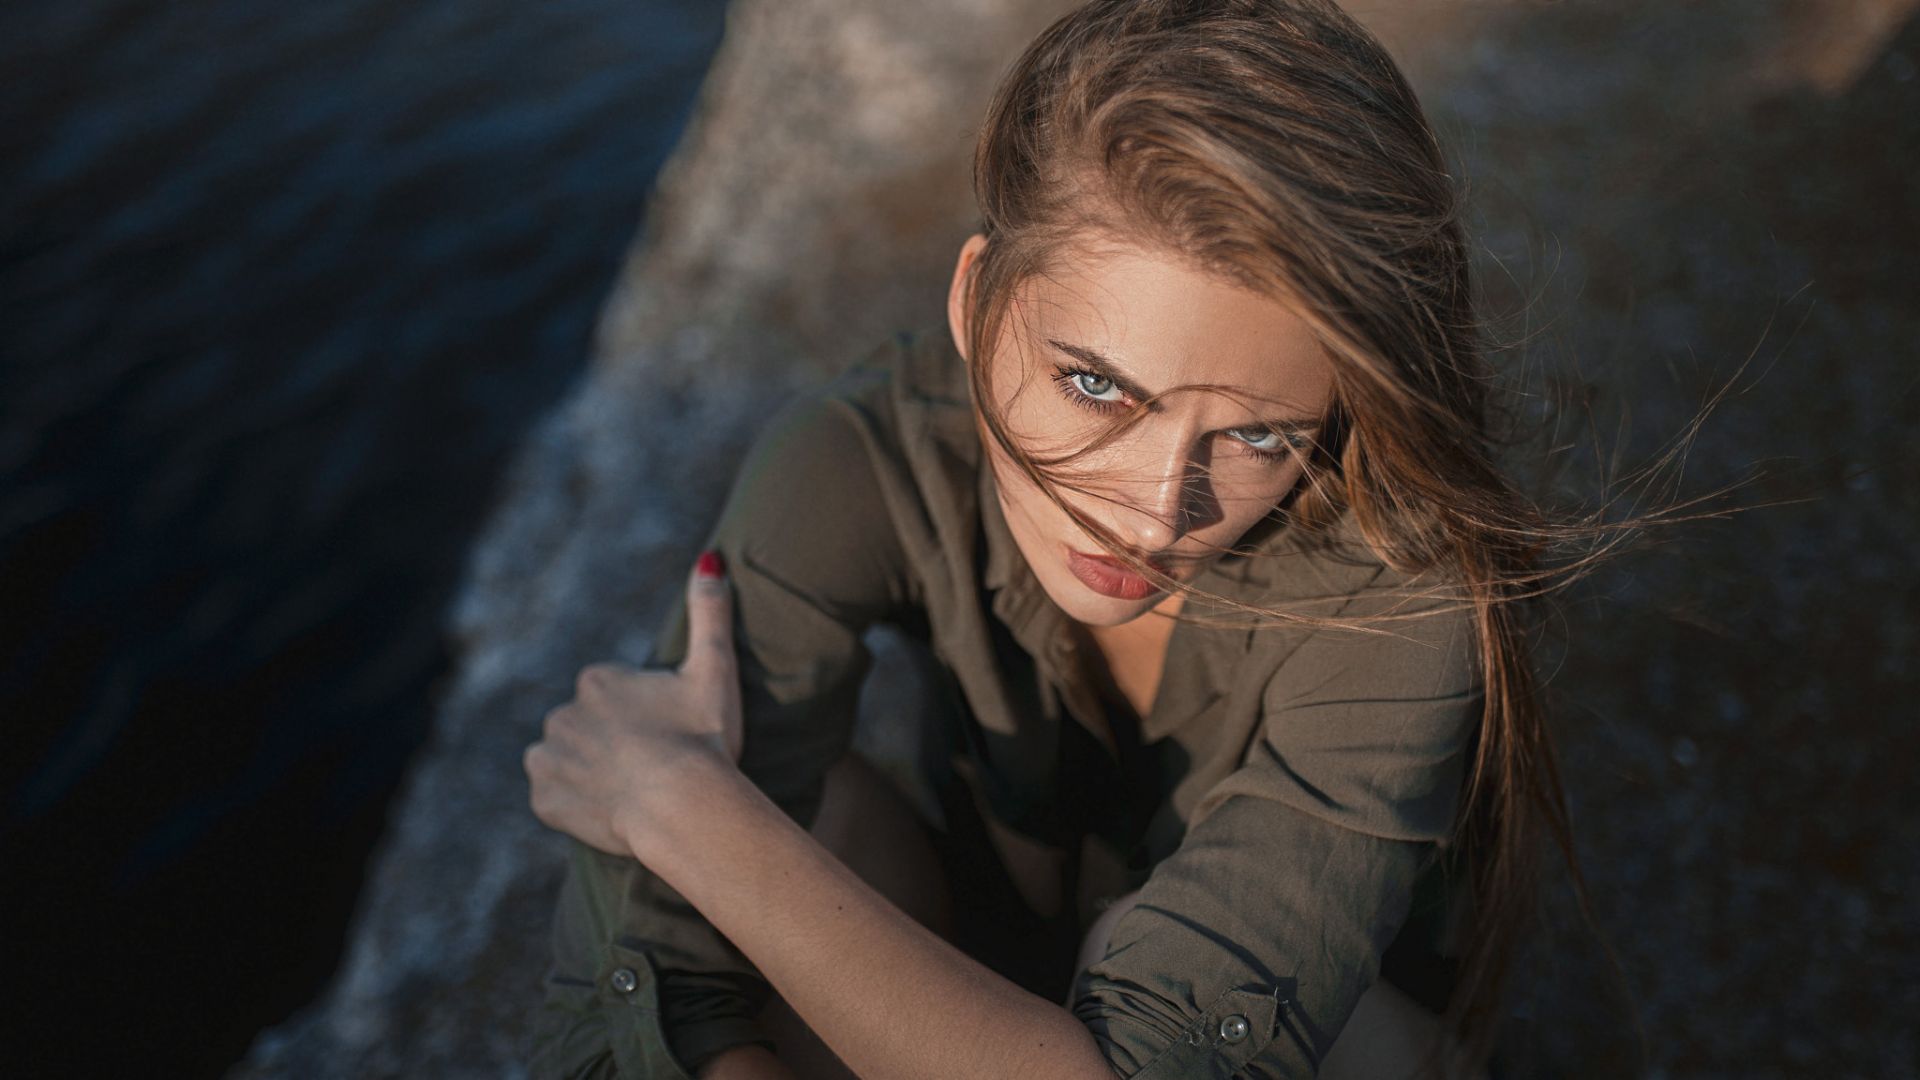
x,y
624,981
1234,1028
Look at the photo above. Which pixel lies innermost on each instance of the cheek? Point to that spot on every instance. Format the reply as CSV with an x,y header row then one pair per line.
x,y
1044,423
1254,491
1029,510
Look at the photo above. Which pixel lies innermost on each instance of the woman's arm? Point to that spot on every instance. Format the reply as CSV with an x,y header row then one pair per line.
x,y
1248,949
644,762
887,995
639,980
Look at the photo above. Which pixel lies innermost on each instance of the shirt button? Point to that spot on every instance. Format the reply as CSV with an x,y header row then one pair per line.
x,y
1234,1028
624,981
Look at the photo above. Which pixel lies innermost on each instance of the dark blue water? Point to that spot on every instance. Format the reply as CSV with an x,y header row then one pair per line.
x,y
280,288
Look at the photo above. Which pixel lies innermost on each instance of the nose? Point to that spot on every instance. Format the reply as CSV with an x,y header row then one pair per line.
x,y
1157,512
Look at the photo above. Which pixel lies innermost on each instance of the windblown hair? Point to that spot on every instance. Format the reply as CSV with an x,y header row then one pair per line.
x,y
1275,145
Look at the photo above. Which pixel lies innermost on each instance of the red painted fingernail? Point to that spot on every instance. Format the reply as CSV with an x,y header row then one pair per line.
x,y
711,565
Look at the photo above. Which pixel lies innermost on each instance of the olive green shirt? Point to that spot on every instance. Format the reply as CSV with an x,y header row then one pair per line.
x,y
1275,806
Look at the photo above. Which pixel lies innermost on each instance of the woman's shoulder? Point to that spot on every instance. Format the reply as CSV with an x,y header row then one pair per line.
x,y
1397,626
1315,571
1365,720
1335,564
878,451
908,394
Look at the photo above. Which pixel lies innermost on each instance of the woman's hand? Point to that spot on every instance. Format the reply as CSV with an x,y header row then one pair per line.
x,y
606,755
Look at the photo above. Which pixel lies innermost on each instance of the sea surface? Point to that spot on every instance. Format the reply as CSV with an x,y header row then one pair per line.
x,y
281,286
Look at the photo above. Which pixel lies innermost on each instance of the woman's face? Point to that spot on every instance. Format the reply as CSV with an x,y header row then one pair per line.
x,y
1083,347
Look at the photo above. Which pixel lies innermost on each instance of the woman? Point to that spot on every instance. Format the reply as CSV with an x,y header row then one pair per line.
x,y
1193,505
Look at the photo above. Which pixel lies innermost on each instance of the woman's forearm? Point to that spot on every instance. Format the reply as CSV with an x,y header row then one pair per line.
x,y
886,994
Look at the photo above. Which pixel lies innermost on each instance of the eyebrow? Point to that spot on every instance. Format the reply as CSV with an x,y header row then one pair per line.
x,y
1105,368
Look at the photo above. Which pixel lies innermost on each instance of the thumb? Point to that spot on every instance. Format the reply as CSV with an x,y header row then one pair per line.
x,y
709,617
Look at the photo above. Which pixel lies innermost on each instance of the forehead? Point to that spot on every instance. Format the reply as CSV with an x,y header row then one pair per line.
x,y
1168,323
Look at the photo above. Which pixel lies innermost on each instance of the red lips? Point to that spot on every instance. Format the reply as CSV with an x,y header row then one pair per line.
x,y
1109,577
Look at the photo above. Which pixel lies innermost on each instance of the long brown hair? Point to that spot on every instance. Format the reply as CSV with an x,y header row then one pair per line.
x,y
1275,144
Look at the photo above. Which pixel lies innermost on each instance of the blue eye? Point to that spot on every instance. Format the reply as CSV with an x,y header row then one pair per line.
x,y
1270,445
1269,439
1258,438
1094,386
1089,390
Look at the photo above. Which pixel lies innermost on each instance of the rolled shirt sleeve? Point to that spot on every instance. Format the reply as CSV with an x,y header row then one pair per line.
x,y
641,985
1251,943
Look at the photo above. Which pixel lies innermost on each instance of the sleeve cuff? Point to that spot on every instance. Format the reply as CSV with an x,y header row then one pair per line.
x,y
1237,1027
640,1043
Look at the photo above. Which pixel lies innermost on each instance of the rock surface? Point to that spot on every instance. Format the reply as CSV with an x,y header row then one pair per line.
x,y
1660,192
1665,192
815,206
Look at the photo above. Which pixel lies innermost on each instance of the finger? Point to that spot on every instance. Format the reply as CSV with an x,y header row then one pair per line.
x,y
598,679
541,790
537,762
568,737
709,618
